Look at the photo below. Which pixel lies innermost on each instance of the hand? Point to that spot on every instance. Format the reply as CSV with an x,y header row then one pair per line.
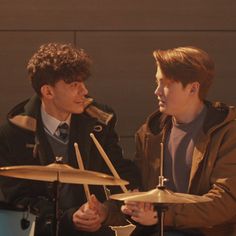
x,y
97,206
90,216
141,212
130,206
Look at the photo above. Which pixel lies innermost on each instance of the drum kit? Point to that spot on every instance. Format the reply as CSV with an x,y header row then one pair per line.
x,y
60,173
63,173
161,197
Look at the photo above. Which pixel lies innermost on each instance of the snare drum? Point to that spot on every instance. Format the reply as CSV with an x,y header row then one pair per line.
x,y
11,222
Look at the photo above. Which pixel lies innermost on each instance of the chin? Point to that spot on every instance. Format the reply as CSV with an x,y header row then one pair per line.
x,y
162,109
78,111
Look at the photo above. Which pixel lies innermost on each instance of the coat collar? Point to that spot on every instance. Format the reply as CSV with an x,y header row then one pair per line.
x,y
25,114
218,114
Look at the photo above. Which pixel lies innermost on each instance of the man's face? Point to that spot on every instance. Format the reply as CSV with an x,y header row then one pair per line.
x,y
172,97
66,98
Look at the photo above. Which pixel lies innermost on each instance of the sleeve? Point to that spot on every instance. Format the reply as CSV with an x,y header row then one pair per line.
x,y
20,192
222,191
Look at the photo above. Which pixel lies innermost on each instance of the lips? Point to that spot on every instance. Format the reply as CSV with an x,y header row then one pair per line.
x,y
161,102
80,101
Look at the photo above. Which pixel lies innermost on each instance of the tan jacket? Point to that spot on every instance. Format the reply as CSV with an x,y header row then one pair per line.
x,y
213,171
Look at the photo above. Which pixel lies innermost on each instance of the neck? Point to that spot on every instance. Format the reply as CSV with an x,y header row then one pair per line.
x,y
190,114
61,116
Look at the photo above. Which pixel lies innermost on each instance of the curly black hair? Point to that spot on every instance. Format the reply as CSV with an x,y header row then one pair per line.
x,y
56,61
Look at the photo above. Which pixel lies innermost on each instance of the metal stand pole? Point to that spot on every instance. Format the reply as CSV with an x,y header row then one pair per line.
x,y
56,209
161,214
161,185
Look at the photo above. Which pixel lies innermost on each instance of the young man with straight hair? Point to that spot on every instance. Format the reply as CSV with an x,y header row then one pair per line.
x,y
199,140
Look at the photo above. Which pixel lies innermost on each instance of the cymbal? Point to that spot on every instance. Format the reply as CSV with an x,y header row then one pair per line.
x,y
159,195
62,173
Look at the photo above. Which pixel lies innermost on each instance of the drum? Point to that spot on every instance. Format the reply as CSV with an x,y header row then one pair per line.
x,y
16,222
123,230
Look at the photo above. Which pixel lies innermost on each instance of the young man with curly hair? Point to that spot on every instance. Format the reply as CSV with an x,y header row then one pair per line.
x,y
199,140
46,126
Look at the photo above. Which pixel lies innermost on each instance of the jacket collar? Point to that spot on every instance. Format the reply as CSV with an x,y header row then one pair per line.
x,y
25,114
218,114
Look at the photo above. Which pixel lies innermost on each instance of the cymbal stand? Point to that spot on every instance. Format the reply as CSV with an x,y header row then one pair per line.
x,y
161,208
56,206
56,200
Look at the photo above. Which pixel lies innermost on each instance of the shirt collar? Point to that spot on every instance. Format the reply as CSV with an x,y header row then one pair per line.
x,y
51,123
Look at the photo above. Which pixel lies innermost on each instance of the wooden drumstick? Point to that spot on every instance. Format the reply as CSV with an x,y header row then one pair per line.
x,y
162,158
81,167
107,160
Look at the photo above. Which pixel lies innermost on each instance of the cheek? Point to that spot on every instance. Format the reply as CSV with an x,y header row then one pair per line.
x,y
63,98
167,92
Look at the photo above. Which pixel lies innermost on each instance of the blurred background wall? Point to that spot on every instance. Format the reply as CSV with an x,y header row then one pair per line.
x,y
120,37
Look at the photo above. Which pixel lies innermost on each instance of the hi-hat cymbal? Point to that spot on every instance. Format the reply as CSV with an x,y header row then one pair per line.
x,y
159,195
62,173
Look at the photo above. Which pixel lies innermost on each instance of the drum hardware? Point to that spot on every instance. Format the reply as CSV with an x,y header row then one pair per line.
x,y
59,173
160,197
107,192
25,223
16,220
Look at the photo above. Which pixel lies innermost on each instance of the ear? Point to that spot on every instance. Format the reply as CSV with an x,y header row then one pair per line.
x,y
194,89
47,91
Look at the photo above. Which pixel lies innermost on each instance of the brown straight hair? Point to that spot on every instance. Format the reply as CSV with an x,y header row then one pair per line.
x,y
187,65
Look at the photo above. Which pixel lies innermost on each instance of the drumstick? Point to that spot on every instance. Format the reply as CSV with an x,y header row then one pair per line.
x,y
162,159
81,166
107,160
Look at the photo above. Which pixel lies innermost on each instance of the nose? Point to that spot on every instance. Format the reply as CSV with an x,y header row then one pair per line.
x,y
84,90
157,91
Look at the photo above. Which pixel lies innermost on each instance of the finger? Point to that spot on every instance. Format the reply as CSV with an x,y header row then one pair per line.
x,y
92,201
132,204
126,210
147,206
81,222
85,215
131,207
135,190
90,211
136,219
88,228
141,205
152,207
86,219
